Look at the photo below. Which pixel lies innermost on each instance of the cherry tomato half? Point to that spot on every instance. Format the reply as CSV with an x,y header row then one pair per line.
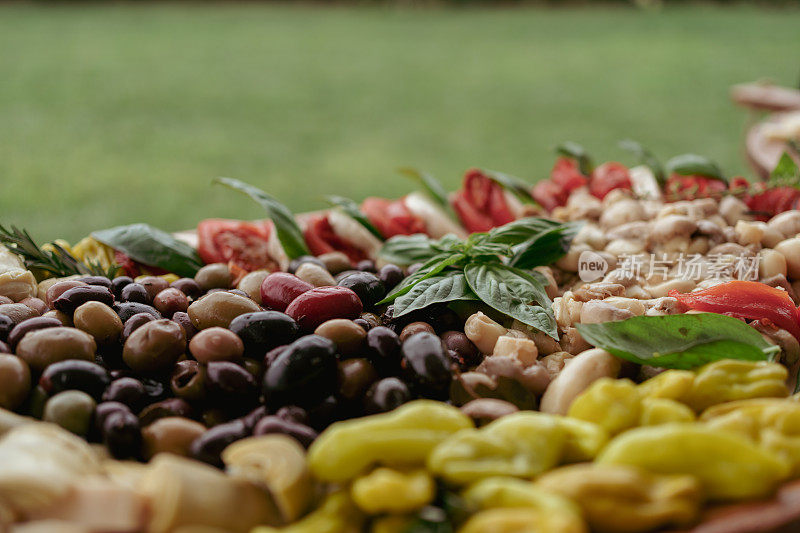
x,y
237,242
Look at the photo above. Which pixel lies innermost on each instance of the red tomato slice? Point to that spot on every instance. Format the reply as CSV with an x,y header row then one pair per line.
x,y
549,194
133,269
321,239
392,217
607,177
244,244
567,175
481,203
679,187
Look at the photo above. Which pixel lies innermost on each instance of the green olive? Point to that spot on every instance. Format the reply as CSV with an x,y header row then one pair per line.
x,y
72,410
251,284
348,336
98,320
219,309
172,434
154,346
336,262
214,276
60,316
15,381
44,347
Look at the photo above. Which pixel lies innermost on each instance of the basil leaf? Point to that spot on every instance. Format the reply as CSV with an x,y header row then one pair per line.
x,y
408,249
520,230
152,247
432,185
679,341
446,287
579,153
645,157
517,186
693,164
513,292
431,268
351,209
786,173
289,233
547,247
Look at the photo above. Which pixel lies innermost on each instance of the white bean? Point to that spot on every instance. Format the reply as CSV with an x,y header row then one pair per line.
x,y
483,332
790,248
771,263
787,223
576,376
522,349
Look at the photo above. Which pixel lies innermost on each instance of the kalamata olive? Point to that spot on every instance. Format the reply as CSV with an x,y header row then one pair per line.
x,y
366,265
485,410
319,305
229,384
279,289
344,273
122,435
60,287
294,264
363,324
335,262
355,377
346,334
36,304
15,381
467,353
208,446
135,292
172,434
103,410
367,286
188,380
44,347
74,297
274,424
164,408
273,354
153,285
125,310
293,413
170,301
264,330
133,323
219,309
118,283
251,419
31,324
390,275
186,323
99,321
303,373
6,325
126,390
74,374
386,395
332,409
72,410
187,286
155,389
214,276
383,349
415,327
154,346
216,344
17,312
427,364
102,281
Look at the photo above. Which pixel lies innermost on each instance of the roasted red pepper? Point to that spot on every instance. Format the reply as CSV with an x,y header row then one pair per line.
x,y
680,187
609,176
392,217
321,239
481,203
765,202
565,177
750,300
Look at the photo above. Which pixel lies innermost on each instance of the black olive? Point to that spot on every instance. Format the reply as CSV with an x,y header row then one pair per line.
x,y
118,283
163,409
122,434
126,390
230,385
134,292
386,395
303,373
125,310
426,364
73,298
390,275
101,281
367,286
383,350
75,374
264,330
208,446
275,424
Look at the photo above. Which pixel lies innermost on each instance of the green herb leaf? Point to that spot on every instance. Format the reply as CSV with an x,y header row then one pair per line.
x,y
579,153
683,341
547,247
406,250
432,185
517,186
289,233
786,173
446,287
521,230
351,209
152,247
513,292
645,157
693,164
434,265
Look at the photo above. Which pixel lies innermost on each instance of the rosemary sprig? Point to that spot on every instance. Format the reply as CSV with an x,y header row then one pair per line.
x,y
58,261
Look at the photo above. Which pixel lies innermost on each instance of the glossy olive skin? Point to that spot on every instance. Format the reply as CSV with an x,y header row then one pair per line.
x,y
275,424
426,364
126,310
187,286
6,325
128,391
165,408
386,395
383,350
228,384
104,410
72,410
15,381
390,276
4,348
135,292
74,297
133,323
355,377
74,374
99,321
60,287
466,352
186,323
321,304
31,324
279,289
188,380
102,281
219,308
216,344
302,374
367,286
264,330
44,347
294,264
170,301
17,312
154,346
119,283
214,276
122,434
153,285
208,446
415,327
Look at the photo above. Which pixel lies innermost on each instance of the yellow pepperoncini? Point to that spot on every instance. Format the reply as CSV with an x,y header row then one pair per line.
x,y
385,490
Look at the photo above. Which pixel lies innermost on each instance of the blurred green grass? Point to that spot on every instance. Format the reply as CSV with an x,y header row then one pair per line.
x,y
120,113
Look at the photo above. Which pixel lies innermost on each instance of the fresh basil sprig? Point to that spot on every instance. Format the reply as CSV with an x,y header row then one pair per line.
x,y
289,233
693,164
578,153
645,157
682,341
786,173
152,247
351,209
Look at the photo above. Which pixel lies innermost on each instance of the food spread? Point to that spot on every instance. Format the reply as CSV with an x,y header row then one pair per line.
x,y
612,349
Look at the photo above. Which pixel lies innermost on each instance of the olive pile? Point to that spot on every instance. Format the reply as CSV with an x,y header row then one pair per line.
x,y
190,366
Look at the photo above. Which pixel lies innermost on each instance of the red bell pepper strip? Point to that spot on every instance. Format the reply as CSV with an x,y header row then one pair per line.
x,y
321,239
392,217
481,203
609,176
747,300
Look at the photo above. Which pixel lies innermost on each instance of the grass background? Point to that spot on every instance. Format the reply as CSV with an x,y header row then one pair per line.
x,y
120,113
